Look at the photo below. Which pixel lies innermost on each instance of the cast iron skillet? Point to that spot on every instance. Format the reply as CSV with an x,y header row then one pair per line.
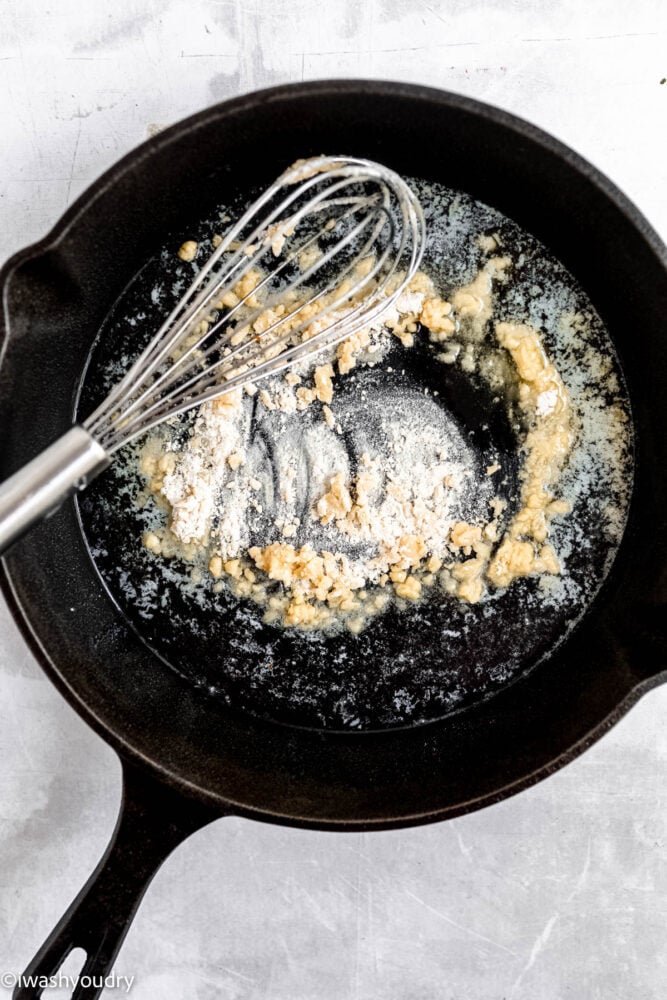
x,y
189,758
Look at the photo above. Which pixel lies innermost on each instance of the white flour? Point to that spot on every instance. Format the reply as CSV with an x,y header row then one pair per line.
x,y
417,463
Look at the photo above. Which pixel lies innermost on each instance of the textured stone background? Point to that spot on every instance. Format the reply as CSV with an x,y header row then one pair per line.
x,y
560,892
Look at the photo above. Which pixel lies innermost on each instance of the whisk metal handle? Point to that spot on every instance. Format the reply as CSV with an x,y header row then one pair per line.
x,y
39,488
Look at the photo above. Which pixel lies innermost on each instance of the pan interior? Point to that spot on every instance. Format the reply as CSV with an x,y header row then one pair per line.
x,y
414,664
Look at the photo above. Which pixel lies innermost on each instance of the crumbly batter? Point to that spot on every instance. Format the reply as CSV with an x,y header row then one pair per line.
x,y
401,522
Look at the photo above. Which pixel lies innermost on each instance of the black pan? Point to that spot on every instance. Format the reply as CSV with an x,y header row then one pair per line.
x,y
193,750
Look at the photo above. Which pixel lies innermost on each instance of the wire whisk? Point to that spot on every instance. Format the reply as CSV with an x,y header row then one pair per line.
x,y
322,253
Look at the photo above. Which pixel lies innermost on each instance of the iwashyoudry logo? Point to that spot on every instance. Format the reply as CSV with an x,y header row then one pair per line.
x,y
10,980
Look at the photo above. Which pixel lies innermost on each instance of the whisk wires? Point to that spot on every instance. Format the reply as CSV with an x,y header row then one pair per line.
x,y
324,251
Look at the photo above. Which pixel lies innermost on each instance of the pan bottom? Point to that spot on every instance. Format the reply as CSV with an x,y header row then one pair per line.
x,y
415,664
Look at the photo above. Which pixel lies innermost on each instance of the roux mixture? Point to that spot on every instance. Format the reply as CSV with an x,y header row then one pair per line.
x,y
392,532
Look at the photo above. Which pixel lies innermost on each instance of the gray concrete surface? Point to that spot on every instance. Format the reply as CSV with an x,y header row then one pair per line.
x,y
560,892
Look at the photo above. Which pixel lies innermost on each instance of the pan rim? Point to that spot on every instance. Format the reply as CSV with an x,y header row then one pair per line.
x,y
228,807
233,105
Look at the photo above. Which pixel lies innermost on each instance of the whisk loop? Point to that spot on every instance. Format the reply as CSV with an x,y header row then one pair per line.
x,y
323,252
360,211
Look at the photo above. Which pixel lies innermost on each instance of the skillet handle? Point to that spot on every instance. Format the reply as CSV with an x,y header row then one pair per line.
x,y
153,820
